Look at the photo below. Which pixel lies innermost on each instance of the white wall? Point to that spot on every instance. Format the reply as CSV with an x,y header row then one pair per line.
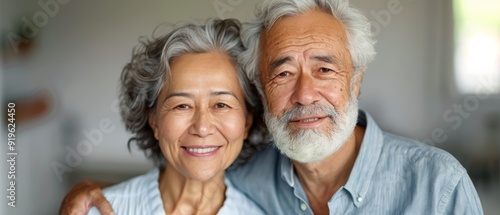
x,y
401,85
83,47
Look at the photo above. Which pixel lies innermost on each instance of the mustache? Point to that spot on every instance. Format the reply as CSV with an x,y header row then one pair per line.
x,y
300,111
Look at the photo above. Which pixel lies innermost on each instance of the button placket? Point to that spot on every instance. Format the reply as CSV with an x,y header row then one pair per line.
x,y
303,206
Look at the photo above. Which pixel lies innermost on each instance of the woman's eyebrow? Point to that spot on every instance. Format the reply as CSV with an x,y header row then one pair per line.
x,y
178,94
223,92
189,95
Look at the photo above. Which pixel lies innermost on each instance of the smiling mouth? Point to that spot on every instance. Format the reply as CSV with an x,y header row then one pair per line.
x,y
308,120
201,150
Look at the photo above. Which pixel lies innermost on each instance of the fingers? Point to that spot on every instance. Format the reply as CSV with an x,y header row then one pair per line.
x,y
84,196
99,201
70,208
71,205
105,208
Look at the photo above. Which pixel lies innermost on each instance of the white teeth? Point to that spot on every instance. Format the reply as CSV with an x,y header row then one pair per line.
x,y
309,120
201,150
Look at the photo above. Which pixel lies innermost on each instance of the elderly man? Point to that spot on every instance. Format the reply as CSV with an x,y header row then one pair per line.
x,y
307,58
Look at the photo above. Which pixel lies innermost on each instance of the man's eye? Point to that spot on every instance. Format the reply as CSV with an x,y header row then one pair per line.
x,y
284,74
325,70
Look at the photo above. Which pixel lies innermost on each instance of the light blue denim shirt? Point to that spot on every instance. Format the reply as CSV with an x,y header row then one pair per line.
x,y
391,175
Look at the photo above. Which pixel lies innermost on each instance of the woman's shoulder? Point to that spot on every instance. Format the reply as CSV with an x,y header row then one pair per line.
x,y
138,195
237,202
134,186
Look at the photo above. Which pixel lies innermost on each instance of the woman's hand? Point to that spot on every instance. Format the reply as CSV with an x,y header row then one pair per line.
x,y
83,196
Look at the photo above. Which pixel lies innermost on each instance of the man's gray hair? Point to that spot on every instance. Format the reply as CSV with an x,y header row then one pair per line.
x,y
357,26
149,70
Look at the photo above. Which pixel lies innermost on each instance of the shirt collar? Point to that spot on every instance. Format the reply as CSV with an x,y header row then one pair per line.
x,y
360,178
286,169
364,166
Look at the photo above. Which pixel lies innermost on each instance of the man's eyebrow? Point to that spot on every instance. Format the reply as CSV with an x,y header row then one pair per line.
x,y
278,62
325,58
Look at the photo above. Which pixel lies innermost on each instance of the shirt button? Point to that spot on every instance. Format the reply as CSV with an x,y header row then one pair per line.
x,y
303,207
360,199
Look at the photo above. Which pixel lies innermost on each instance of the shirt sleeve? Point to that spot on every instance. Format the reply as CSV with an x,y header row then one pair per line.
x,y
464,199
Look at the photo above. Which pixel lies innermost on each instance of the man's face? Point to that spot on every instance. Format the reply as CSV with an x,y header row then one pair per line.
x,y
306,72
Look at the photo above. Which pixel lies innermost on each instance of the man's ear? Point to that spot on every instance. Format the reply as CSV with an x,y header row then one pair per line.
x,y
152,123
359,78
248,124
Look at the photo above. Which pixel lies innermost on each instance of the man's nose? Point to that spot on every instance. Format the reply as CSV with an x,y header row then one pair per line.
x,y
305,90
203,123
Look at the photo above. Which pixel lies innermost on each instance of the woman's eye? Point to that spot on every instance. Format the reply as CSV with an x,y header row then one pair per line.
x,y
221,105
182,107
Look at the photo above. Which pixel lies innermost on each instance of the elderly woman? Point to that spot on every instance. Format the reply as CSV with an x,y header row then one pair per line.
x,y
188,104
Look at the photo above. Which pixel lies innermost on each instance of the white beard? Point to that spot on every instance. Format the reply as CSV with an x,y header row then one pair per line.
x,y
312,145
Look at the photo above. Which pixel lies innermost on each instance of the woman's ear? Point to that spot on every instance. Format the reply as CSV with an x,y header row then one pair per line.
x,y
248,124
152,123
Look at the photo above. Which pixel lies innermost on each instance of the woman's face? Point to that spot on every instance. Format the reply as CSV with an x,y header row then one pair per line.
x,y
200,119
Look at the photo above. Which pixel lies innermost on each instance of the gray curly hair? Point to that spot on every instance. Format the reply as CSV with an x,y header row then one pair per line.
x,y
149,70
361,41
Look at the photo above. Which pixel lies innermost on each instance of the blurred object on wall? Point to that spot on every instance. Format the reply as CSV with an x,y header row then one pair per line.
x,y
33,107
32,103
15,44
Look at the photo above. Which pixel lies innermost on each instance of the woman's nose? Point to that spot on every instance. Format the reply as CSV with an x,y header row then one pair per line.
x,y
202,123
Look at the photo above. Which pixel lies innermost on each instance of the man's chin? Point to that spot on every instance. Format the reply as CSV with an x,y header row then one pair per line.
x,y
310,152
307,160
312,145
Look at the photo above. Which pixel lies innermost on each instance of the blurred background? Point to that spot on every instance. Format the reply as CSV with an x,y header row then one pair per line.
x,y
435,79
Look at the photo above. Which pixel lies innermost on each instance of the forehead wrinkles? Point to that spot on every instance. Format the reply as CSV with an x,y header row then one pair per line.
x,y
297,35
277,42
313,25
303,47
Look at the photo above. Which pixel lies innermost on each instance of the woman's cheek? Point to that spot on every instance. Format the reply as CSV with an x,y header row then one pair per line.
x,y
233,123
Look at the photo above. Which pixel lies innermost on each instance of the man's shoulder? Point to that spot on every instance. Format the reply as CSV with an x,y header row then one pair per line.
x,y
265,160
260,168
419,156
261,180
238,202
411,176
